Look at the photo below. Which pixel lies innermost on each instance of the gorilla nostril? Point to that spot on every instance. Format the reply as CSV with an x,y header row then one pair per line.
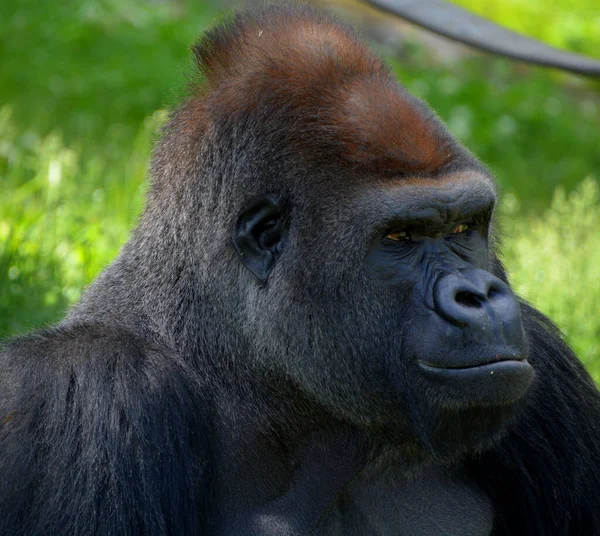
x,y
468,299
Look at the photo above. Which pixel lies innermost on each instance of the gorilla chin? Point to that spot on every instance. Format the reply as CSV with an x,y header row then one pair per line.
x,y
455,410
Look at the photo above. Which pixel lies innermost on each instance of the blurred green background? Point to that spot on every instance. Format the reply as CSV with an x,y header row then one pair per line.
x,y
85,84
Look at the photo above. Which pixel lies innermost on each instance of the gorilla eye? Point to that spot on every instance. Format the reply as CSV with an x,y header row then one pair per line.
x,y
460,228
398,236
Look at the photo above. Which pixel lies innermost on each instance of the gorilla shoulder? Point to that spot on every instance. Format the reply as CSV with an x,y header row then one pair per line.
x,y
81,405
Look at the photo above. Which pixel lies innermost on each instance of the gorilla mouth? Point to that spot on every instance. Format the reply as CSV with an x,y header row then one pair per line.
x,y
492,382
484,363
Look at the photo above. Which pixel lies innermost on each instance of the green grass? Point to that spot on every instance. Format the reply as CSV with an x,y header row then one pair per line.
x,y
555,263
82,86
83,90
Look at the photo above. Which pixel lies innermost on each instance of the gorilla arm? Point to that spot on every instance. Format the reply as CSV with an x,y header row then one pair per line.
x,y
100,435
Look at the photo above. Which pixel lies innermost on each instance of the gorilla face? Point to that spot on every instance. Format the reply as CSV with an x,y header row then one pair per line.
x,y
379,303
366,228
465,336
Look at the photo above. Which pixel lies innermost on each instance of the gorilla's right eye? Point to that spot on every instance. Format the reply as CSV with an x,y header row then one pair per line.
x,y
398,236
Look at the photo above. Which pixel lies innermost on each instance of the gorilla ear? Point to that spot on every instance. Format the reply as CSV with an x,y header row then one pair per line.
x,y
259,236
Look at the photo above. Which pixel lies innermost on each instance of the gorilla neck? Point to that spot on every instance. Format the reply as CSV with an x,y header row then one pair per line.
x,y
278,471
269,460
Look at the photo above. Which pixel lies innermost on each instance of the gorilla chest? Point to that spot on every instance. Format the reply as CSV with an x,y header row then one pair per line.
x,y
431,506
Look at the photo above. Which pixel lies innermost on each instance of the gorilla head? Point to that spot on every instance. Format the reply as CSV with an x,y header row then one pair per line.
x,y
337,237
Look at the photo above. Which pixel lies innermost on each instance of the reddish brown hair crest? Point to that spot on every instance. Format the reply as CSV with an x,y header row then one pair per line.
x,y
325,90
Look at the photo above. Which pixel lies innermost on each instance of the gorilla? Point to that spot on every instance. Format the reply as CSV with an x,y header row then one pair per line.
x,y
308,333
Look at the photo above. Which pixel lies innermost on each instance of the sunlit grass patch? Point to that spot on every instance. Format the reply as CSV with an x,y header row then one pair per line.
x,y
62,218
554,262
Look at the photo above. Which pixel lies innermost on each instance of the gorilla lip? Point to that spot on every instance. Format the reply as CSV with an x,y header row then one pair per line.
x,y
486,363
497,383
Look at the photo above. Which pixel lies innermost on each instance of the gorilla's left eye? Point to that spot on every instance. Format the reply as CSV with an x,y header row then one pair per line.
x,y
460,228
398,236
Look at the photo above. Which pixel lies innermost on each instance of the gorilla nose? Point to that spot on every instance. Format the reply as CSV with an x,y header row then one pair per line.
x,y
480,302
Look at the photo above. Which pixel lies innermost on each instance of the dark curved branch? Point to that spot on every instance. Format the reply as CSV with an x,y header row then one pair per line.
x,y
461,25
